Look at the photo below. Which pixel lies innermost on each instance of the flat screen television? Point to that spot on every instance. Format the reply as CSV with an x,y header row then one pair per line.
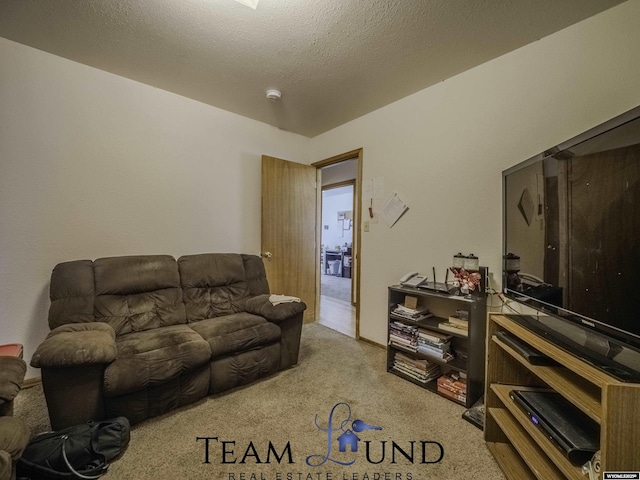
x,y
571,244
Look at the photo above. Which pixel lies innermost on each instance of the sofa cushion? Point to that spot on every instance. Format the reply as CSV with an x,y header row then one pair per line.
x,y
213,284
235,370
134,294
236,333
156,400
255,274
152,357
71,292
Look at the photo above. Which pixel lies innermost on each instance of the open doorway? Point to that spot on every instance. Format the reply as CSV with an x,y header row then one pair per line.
x,y
337,234
337,241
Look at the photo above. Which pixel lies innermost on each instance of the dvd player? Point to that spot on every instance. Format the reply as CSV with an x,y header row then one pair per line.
x,y
568,428
533,356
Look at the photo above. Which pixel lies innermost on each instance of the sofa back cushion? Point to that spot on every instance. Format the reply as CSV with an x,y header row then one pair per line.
x,y
72,293
255,274
138,293
216,284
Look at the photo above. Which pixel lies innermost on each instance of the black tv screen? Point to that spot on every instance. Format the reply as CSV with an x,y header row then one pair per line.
x,y
571,230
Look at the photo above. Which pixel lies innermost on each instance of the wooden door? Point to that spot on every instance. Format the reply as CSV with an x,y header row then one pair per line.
x,y
289,229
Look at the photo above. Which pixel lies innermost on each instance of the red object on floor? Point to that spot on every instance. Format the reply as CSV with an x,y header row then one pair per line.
x,y
11,350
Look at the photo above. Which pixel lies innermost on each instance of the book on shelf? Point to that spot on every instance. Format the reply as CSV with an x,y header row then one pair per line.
x,y
452,388
433,337
453,328
453,384
436,347
435,344
402,330
404,336
455,396
416,362
401,344
415,314
418,369
443,356
403,326
456,320
432,371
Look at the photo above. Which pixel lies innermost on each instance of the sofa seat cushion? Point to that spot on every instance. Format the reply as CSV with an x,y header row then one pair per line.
x,y
152,357
235,333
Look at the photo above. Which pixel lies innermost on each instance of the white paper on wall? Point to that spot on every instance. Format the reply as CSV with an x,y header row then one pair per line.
x,y
393,209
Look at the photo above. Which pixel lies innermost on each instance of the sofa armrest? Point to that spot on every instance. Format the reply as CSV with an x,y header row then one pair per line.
x,y
76,344
14,436
288,316
261,305
12,371
73,358
6,463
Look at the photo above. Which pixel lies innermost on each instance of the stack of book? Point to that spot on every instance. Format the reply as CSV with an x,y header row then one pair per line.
x,y
420,370
453,385
457,324
403,336
434,344
415,314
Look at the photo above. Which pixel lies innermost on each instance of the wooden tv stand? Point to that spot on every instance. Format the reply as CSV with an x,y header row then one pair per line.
x,y
518,446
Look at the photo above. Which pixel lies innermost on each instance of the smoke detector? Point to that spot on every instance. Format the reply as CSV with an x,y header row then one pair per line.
x,y
274,95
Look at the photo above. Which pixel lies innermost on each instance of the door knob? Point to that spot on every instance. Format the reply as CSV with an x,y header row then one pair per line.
x,y
266,254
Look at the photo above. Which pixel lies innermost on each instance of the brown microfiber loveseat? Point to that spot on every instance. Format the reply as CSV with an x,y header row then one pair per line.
x,y
140,335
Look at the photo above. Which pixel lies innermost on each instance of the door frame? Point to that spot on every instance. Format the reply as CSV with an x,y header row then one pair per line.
x,y
356,154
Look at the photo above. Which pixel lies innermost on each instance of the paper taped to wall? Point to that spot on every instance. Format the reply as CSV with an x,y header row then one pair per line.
x,y
393,209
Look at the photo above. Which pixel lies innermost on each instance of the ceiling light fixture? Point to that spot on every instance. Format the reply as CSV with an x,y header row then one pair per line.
x,y
249,3
274,95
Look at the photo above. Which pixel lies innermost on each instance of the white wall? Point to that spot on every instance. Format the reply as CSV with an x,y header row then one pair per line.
x,y
333,201
443,149
95,165
339,172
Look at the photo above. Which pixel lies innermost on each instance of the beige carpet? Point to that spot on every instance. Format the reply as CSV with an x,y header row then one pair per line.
x,y
333,368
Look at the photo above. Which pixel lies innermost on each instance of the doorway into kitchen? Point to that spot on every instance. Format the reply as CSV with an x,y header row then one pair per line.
x,y
337,226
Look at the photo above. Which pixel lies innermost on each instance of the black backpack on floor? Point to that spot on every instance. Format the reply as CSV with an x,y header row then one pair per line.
x,y
79,452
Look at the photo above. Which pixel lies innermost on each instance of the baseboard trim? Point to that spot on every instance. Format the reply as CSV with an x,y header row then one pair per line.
x,y
31,382
371,342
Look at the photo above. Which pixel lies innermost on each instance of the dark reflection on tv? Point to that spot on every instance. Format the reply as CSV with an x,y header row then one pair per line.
x,y
572,221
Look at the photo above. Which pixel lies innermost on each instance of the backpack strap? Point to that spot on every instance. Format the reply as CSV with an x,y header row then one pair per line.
x,y
103,469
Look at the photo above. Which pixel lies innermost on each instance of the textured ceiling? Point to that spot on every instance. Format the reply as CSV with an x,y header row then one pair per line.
x,y
333,60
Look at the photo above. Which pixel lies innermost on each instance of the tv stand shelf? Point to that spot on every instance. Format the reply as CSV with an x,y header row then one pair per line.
x,y
519,447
